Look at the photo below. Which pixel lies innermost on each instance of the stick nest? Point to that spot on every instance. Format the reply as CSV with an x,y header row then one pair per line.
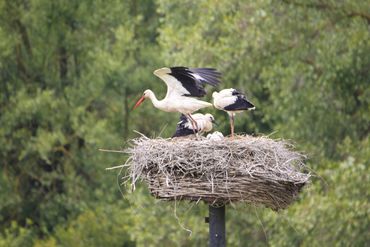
x,y
256,170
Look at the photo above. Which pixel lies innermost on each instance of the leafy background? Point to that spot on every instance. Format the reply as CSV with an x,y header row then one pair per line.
x,y
70,72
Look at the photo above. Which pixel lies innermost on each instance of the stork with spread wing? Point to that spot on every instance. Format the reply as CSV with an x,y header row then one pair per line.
x,y
184,85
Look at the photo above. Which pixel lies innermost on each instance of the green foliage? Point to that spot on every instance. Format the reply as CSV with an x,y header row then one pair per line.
x,y
333,214
16,235
282,53
166,224
69,76
66,72
95,227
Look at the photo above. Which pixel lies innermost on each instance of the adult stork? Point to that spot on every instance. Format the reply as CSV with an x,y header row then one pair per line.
x,y
231,101
204,123
183,86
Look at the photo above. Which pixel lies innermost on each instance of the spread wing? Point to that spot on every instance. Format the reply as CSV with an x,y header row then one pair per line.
x,y
190,82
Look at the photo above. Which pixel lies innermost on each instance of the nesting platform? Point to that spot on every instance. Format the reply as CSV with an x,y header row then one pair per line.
x,y
256,170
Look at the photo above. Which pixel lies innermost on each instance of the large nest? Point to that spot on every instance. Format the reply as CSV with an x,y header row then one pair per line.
x,y
255,170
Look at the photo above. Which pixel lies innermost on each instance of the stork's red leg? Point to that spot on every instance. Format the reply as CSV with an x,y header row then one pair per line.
x,y
193,124
232,124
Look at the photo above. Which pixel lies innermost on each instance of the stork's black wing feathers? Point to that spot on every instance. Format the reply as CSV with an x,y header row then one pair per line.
x,y
183,119
194,88
211,76
183,132
241,103
194,79
182,129
236,92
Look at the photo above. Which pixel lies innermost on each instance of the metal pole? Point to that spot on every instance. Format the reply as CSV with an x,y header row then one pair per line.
x,y
217,233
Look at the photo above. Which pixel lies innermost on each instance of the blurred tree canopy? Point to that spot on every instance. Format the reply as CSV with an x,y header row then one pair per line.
x,y
70,72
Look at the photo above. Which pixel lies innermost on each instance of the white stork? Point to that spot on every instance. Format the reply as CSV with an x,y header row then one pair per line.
x,y
204,124
232,101
183,85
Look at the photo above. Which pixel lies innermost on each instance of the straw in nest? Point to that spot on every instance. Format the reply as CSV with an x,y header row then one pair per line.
x,y
256,170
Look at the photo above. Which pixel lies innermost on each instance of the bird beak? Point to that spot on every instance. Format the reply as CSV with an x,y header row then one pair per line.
x,y
141,100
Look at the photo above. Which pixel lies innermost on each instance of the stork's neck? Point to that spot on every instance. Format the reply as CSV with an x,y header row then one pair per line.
x,y
157,103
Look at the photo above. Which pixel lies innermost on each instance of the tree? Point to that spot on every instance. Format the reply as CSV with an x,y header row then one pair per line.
x,y
71,71
67,72
298,62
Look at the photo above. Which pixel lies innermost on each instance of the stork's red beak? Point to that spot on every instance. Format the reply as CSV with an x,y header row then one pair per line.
x,y
141,100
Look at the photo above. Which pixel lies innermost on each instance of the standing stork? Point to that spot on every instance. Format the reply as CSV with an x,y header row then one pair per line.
x,y
204,122
231,101
183,86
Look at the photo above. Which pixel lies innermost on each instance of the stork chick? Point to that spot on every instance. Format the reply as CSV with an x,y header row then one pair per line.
x,y
215,136
204,124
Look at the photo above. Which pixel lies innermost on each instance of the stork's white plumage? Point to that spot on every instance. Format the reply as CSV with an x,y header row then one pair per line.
x,y
204,124
215,136
232,101
183,85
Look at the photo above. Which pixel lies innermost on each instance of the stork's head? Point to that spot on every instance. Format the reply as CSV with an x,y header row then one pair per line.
x,y
210,117
145,95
